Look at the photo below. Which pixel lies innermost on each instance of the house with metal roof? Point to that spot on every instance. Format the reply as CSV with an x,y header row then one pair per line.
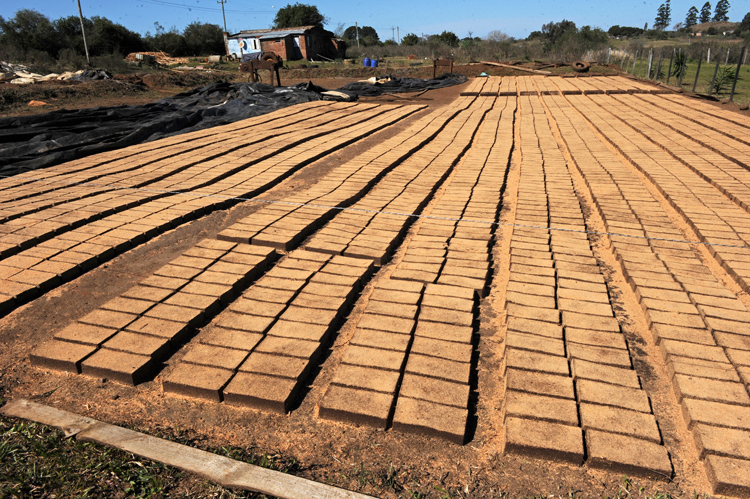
x,y
304,42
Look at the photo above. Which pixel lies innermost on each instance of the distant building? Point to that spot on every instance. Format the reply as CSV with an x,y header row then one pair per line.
x,y
291,44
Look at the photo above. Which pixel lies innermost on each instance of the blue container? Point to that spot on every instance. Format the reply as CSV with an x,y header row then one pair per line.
x,y
374,63
366,62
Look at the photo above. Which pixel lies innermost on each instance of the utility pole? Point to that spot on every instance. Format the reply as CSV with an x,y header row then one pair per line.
x,y
83,32
356,29
398,35
393,33
222,2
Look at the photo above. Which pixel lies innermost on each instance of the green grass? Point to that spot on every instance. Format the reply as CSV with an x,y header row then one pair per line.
x,y
38,461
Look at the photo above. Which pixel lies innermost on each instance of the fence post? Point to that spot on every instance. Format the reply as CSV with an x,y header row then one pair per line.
x,y
635,58
698,71
713,80
640,65
650,61
737,73
727,61
708,57
658,68
609,53
669,71
683,67
622,62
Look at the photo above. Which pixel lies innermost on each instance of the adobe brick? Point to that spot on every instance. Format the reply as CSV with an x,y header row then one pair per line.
x,y
524,359
534,406
448,302
539,383
435,390
535,327
368,378
382,340
214,356
603,355
614,395
595,338
356,406
669,332
529,300
671,348
268,295
201,382
715,413
244,322
386,323
61,355
703,369
594,322
709,389
532,313
108,319
277,365
262,392
124,367
175,331
291,347
729,476
619,420
427,418
582,369
726,442
85,333
543,439
625,454
450,370
535,343
442,331
139,344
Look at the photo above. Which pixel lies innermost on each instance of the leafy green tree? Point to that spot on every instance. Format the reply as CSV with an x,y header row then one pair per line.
x,y
171,42
204,38
106,37
448,38
30,30
663,16
722,10
705,16
298,14
743,30
691,19
367,35
553,32
410,39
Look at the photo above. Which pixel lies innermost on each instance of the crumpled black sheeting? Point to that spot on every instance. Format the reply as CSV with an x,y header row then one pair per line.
x,y
395,85
39,141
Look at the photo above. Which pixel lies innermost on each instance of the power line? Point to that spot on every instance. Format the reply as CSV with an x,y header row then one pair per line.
x,y
165,3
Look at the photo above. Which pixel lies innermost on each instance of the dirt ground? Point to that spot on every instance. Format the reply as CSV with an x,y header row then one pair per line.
x,y
381,463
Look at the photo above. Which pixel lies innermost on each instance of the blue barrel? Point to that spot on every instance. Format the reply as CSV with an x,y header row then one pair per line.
x,y
366,62
374,63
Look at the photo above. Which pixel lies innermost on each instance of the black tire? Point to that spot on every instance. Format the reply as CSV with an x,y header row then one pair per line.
x,y
581,66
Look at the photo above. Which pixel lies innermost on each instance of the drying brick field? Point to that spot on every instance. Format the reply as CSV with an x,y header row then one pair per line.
x,y
546,272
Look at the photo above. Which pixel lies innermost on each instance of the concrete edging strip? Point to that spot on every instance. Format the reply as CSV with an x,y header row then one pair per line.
x,y
224,471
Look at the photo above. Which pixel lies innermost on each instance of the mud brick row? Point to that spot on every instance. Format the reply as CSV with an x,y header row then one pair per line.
x,y
690,312
375,224
34,271
567,366
126,338
453,243
286,225
259,352
408,364
708,110
159,179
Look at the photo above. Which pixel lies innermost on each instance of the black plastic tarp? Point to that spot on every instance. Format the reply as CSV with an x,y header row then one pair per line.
x,y
38,141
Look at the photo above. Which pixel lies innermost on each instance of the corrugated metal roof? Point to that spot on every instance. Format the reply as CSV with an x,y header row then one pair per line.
x,y
298,30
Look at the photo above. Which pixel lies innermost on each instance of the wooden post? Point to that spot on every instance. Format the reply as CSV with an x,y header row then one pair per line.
x,y
669,71
713,80
683,68
83,32
658,68
609,53
635,59
650,62
737,73
708,57
698,71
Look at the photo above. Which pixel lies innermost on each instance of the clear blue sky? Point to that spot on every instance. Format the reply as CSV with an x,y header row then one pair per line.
x,y
515,18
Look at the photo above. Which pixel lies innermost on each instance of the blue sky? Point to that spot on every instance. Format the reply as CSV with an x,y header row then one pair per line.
x,y
479,17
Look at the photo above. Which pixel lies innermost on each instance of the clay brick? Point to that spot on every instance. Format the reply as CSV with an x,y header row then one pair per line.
x,y
435,390
538,314
61,355
625,454
168,283
703,369
312,316
277,365
614,395
175,313
391,296
441,331
150,294
531,289
386,323
244,322
261,392
609,356
715,413
127,368
439,368
721,441
372,357
535,343
452,303
85,333
356,406
427,418
582,369
535,406
127,305
368,378
289,329
231,338
139,344
268,295
595,338
257,308
524,359
674,319
290,347
727,326
671,348
618,420
594,322
108,319
535,327
445,316
203,288
709,389
214,356
175,331
197,381
320,302
529,300
668,332
543,439
442,349
728,476
379,339
539,383
207,304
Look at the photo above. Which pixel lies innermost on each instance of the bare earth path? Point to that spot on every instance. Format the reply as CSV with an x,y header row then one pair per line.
x,y
538,286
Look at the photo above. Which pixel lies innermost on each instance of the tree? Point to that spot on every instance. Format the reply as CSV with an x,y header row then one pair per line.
x,y
448,38
663,16
367,35
705,16
298,14
553,32
30,30
409,40
721,11
497,36
691,19
743,30
106,37
204,38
